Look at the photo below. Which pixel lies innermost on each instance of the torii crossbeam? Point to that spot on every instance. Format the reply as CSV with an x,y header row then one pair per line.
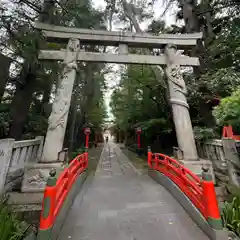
x,y
76,38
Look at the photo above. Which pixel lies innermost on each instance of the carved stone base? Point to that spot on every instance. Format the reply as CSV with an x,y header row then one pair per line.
x,y
196,167
36,175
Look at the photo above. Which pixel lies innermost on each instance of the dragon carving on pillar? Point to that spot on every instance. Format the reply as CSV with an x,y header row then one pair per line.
x,y
61,102
173,70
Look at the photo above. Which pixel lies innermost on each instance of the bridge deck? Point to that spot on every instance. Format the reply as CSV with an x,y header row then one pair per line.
x,y
120,204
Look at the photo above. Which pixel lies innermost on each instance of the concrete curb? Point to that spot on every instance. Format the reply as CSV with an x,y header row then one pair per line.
x,y
185,202
60,219
67,205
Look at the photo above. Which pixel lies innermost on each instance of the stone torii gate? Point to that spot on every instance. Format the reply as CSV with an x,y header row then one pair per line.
x,y
76,38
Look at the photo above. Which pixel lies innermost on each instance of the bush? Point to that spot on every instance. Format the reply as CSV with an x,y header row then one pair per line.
x,y
204,133
11,228
231,215
228,112
77,152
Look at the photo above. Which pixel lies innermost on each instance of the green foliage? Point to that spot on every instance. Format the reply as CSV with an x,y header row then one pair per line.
x,y
154,127
221,82
151,123
138,98
228,112
81,14
96,111
10,227
204,133
4,120
77,152
224,50
24,41
139,101
231,215
36,124
219,75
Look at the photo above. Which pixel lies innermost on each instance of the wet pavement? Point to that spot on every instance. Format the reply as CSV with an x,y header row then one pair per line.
x,y
121,204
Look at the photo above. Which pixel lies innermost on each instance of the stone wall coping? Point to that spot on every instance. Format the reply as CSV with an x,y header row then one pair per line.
x,y
26,143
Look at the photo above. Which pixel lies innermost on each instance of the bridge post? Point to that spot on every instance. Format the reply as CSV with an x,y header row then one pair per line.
x,y
57,121
48,208
180,107
210,200
149,157
6,149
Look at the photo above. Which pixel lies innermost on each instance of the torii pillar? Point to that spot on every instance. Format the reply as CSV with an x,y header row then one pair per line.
x,y
57,121
180,107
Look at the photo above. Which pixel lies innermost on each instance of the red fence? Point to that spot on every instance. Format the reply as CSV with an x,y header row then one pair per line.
x,y
57,190
200,192
228,133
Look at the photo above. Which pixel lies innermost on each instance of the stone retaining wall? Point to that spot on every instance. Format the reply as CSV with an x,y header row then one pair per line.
x,y
13,157
224,155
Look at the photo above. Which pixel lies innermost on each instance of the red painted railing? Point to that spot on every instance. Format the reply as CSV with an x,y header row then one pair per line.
x,y
228,133
56,192
200,192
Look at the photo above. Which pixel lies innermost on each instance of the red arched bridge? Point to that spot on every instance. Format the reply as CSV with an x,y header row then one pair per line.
x,y
117,202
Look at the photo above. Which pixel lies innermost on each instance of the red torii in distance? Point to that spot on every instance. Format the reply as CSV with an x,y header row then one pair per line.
x,y
138,131
87,132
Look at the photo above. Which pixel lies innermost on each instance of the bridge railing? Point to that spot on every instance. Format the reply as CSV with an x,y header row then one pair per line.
x,y
201,192
58,196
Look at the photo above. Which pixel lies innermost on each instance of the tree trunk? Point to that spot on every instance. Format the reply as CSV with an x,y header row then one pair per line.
x,y
5,64
47,12
88,93
72,125
205,112
190,16
157,70
73,116
192,25
130,15
20,106
79,136
23,95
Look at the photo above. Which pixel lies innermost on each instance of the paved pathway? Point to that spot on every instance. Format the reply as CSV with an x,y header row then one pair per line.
x,y
121,204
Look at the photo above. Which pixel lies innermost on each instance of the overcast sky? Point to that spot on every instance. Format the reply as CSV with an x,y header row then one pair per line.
x,y
113,78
